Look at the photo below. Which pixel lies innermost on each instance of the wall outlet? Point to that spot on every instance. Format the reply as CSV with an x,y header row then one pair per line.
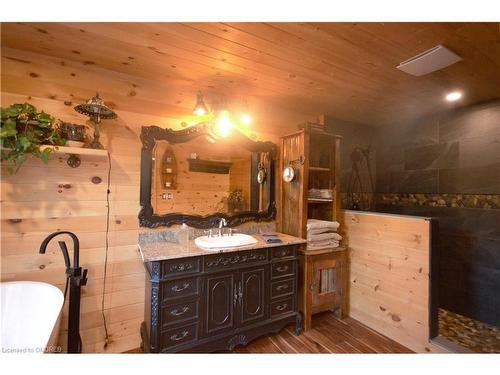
x,y
167,196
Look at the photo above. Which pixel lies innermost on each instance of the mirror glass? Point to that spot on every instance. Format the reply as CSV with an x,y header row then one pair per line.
x,y
202,177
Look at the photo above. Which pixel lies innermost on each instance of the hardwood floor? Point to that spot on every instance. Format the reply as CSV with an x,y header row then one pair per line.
x,y
328,335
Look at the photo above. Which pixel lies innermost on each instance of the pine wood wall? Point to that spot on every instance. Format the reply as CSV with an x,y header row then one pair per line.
x,y
196,193
41,199
389,275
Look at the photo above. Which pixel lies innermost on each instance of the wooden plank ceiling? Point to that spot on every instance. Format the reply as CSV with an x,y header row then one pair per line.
x,y
282,71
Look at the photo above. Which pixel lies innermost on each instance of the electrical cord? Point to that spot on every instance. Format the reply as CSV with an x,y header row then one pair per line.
x,y
108,191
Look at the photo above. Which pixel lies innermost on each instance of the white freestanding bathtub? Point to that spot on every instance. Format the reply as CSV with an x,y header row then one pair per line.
x,y
30,316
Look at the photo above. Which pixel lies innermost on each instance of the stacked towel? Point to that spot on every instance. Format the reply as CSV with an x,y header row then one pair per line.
x,y
322,234
322,224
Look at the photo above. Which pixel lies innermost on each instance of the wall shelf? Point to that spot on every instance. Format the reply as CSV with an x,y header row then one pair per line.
x,y
318,200
74,153
319,169
168,169
76,150
209,166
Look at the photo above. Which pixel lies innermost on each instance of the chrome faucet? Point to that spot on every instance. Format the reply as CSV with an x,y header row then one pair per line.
x,y
222,223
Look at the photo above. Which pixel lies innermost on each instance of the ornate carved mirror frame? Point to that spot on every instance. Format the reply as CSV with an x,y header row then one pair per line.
x,y
147,218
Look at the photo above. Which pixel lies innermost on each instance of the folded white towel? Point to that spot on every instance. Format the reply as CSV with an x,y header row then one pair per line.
x,y
319,231
322,244
321,224
324,236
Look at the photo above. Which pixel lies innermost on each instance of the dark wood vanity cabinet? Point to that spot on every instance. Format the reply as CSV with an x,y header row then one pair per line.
x,y
215,302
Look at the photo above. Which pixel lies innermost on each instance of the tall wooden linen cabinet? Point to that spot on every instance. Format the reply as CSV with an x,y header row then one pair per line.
x,y
323,274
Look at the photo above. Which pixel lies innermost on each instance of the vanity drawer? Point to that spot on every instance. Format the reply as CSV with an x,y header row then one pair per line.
x,y
282,307
282,288
180,266
232,259
180,288
283,252
179,312
282,269
178,336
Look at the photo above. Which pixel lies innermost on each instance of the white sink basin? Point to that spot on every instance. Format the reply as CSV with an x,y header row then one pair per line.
x,y
216,242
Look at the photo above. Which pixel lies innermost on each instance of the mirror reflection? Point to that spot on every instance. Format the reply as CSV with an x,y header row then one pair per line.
x,y
202,177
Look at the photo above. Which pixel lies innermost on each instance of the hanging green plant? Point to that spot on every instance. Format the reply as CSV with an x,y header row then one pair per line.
x,y
23,131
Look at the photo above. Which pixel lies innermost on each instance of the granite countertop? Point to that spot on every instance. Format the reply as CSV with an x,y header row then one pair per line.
x,y
160,250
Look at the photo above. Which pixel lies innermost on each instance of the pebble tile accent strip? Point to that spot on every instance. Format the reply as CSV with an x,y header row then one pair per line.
x,y
474,335
484,201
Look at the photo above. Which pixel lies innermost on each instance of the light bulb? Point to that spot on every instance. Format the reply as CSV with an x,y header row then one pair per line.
x,y
453,96
246,119
224,124
200,109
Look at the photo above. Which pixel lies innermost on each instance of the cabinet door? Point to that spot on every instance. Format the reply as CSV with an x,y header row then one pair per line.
x,y
252,295
325,282
221,298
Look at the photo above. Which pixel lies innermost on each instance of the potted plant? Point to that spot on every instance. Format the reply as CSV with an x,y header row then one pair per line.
x,y
23,131
236,201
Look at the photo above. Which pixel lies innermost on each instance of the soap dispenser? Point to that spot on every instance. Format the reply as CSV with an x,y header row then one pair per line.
x,y
183,235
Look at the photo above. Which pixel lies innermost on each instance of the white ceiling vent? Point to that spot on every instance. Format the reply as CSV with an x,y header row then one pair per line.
x,y
436,58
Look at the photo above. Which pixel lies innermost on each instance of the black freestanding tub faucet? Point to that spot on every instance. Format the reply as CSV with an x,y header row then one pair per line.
x,y
76,279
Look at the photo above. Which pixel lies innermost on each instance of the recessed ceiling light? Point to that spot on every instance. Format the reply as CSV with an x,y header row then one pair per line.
x,y
452,96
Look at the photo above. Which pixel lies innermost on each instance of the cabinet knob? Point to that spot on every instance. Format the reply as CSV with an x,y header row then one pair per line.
x,y
282,307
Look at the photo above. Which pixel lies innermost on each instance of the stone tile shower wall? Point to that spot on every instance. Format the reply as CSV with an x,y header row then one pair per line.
x,y
448,166
355,136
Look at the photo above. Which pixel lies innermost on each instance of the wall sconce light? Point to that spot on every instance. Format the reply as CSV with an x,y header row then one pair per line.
x,y
245,119
200,109
219,119
224,124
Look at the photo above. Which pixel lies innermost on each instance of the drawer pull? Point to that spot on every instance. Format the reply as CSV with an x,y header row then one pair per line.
x,y
282,287
178,337
282,307
283,253
282,268
178,313
177,288
224,261
181,267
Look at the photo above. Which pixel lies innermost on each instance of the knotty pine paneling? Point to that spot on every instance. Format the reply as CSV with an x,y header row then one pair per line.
x,y
160,95
283,69
196,193
389,276
42,198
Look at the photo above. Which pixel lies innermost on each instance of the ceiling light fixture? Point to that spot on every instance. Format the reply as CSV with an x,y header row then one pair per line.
x,y
453,96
